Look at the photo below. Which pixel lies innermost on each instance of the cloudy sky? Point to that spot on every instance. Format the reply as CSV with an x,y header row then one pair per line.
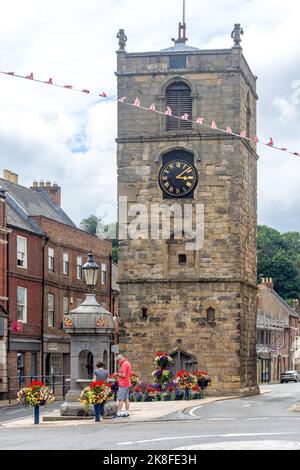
x,y
49,133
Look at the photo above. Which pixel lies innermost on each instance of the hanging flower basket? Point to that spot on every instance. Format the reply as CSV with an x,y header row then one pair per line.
x,y
96,394
162,360
36,395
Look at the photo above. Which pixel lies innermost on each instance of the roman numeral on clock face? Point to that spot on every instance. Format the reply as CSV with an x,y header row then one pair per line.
x,y
178,178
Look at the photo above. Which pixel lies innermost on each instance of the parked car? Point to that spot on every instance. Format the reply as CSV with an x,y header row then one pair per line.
x,y
290,376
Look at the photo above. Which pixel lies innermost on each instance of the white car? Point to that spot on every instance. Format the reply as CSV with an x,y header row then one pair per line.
x,y
290,376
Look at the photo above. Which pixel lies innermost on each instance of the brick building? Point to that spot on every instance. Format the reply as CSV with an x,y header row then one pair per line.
x,y
277,332
45,277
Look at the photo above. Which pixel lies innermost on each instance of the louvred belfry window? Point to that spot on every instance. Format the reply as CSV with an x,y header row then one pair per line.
x,y
178,98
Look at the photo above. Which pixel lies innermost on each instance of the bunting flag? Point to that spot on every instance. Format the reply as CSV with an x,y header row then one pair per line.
x,y
152,108
185,117
137,103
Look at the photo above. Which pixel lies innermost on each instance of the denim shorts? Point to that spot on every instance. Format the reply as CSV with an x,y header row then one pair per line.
x,y
123,393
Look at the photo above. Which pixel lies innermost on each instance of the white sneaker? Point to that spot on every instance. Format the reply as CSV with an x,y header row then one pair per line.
x,y
125,414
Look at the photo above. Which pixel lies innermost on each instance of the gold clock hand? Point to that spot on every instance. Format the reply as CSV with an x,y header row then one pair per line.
x,y
185,178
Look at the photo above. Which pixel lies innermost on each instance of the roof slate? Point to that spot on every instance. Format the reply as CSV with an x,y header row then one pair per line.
x,y
26,202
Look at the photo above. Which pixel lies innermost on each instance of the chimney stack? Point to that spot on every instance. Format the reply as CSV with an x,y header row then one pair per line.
x,y
267,282
53,190
10,176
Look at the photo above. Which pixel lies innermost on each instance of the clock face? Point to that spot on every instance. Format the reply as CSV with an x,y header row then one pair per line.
x,y
178,178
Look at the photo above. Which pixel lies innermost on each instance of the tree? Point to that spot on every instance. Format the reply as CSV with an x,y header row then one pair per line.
x,y
279,258
90,224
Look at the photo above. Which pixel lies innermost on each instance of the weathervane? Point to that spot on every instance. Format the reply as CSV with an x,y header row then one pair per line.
x,y
182,29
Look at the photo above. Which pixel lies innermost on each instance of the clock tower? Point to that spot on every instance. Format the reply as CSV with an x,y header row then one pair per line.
x,y
187,272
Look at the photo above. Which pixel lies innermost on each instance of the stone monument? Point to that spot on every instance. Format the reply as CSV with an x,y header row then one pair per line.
x,y
91,330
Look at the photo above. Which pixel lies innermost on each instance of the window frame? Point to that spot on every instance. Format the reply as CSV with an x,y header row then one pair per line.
x,y
103,274
64,305
79,271
66,263
24,260
51,265
23,305
52,325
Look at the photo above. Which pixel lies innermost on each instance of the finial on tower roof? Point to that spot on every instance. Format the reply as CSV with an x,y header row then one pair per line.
x,y
181,29
122,40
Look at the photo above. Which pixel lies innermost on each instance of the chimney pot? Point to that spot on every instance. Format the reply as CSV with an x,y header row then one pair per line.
x,y
35,184
42,184
48,184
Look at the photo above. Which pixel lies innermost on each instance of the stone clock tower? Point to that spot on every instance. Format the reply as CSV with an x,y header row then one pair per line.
x,y
199,304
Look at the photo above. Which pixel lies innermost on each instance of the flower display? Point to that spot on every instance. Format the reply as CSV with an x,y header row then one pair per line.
x,y
162,376
202,379
95,394
185,379
134,379
37,394
162,360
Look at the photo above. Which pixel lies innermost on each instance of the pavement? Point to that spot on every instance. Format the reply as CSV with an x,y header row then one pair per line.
x,y
261,422
139,413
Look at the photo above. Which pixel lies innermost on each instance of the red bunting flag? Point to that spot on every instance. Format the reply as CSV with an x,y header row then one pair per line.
x,y
29,77
284,149
271,143
152,108
185,117
169,112
214,125
229,130
10,73
200,120
137,102
85,91
50,81
243,134
297,154
256,139
123,99
103,94
68,86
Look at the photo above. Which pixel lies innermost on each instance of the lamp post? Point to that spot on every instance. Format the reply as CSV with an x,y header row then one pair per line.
x,y
91,272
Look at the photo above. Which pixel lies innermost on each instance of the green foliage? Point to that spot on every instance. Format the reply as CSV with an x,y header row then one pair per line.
x,y
90,224
279,258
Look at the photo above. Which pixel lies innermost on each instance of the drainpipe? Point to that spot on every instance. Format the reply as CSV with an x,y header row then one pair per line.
x,y
110,286
46,239
8,289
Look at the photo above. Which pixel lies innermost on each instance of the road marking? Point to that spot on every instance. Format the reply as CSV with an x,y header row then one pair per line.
x,y
203,436
246,406
244,445
221,419
14,412
256,419
191,412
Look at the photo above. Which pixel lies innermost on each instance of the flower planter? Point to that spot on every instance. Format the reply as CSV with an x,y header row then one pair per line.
x,y
97,409
36,415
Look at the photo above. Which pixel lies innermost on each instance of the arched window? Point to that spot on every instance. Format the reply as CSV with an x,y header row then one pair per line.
x,y
211,314
178,98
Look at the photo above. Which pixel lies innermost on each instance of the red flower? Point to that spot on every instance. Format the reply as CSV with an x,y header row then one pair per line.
x,y
96,384
35,383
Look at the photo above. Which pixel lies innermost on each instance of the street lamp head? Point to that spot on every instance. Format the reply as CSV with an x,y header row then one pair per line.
x,y
91,271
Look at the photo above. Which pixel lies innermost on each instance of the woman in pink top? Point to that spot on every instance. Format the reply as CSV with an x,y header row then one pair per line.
x,y
124,385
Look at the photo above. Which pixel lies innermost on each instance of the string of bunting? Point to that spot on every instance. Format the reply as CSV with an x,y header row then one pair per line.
x,y
152,108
